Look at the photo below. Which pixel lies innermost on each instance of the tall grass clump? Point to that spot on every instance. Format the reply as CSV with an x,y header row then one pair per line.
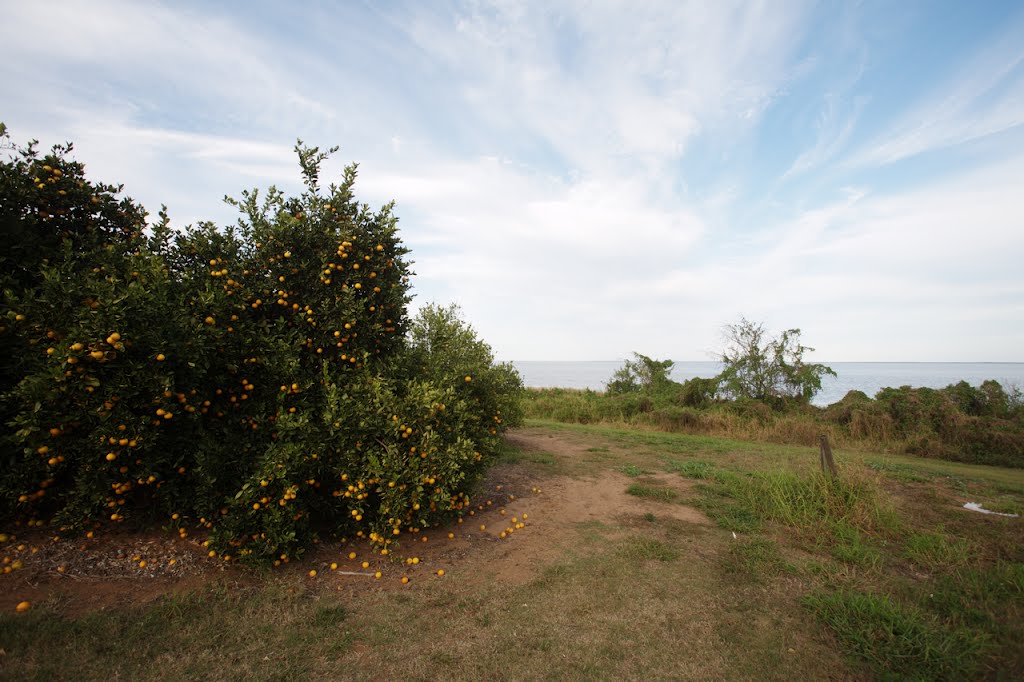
x,y
809,500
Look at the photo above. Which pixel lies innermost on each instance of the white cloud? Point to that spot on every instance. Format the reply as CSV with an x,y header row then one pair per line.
x,y
606,85
536,153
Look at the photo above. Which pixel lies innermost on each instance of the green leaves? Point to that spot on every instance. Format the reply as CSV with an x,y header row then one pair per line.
x,y
252,379
640,374
770,369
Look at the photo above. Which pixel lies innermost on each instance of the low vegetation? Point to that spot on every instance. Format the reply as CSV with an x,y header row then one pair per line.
x,y
877,575
983,424
764,393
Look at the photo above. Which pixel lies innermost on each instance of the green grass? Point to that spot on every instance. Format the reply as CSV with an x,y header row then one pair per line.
x,y
657,493
901,472
756,558
728,514
812,500
858,536
937,551
866,429
329,616
850,545
511,456
897,641
633,470
692,469
981,598
222,629
876,575
743,503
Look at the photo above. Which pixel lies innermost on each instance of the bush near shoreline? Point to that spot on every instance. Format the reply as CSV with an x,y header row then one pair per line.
x,y
980,425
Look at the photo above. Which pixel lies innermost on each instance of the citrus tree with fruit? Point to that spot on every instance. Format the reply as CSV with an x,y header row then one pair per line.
x,y
257,382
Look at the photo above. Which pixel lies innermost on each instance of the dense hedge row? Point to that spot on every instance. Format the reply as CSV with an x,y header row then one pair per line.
x,y
263,380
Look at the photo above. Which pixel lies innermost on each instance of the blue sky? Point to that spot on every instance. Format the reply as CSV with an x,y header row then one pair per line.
x,y
588,179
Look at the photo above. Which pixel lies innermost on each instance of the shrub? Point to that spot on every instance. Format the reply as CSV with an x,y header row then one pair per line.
x,y
257,381
677,419
640,374
445,350
698,391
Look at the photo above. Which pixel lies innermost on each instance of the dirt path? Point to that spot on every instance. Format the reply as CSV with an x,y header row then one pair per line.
x,y
103,572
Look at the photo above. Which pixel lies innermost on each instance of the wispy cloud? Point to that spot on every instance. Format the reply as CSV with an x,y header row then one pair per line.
x,y
984,97
587,179
834,127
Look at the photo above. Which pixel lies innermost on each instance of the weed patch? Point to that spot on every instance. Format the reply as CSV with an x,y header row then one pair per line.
x,y
692,469
991,598
899,641
633,471
756,558
729,515
936,551
328,616
849,546
652,492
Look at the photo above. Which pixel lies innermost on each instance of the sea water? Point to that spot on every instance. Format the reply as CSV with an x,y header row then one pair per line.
x,y
868,377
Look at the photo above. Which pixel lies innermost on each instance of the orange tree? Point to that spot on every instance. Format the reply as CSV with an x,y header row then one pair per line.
x,y
257,380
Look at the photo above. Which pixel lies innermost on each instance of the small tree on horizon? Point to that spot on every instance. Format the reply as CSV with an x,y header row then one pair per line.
x,y
641,373
770,369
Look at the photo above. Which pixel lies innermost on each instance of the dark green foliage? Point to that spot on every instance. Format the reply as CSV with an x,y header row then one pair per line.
x,y
698,391
767,369
640,374
958,422
446,351
260,381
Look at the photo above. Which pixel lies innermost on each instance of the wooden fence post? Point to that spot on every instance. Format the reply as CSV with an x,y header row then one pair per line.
x,y
828,465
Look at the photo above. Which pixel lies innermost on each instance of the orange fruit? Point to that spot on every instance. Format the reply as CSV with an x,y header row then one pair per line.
x,y
22,607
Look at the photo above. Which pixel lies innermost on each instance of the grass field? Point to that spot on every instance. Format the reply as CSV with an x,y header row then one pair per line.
x,y
643,555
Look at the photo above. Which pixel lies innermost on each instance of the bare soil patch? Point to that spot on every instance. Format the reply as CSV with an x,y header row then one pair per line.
x,y
88,574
